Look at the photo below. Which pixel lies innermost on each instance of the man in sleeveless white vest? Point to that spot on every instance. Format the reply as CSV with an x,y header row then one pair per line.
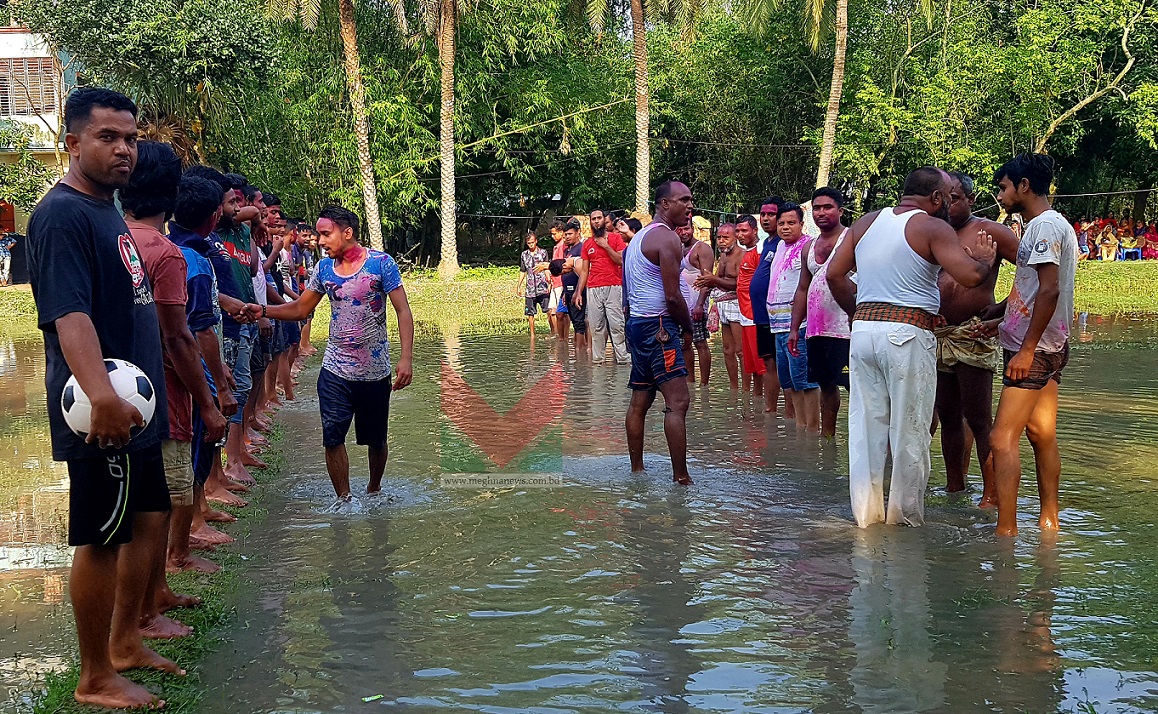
x,y
659,327
897,254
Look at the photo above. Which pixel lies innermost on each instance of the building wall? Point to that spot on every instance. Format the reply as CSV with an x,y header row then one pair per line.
x,y
28,70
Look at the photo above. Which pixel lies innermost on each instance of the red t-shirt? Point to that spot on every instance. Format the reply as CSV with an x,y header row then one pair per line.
x,y
167,273
602,271
744,281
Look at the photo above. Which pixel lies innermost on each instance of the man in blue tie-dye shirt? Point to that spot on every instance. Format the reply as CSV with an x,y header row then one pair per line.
x,y
355,380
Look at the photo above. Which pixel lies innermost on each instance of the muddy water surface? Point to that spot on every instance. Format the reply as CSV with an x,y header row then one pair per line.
x,y
751,591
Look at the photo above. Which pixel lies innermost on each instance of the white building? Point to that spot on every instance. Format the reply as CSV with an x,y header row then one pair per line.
x,y
31,92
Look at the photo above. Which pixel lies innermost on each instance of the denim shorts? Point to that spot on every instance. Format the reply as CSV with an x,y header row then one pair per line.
x,y
793,371
654,361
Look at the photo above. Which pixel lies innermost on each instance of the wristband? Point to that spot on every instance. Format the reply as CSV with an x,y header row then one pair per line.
x,y
263,310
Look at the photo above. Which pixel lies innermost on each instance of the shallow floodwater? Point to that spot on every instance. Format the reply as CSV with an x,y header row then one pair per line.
x,y
601,591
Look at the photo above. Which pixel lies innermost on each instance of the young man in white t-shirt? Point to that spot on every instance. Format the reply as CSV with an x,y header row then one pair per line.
x,y
1035,336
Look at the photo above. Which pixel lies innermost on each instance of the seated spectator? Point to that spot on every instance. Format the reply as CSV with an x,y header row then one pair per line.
x,y
1131,250
1108,243
1150,249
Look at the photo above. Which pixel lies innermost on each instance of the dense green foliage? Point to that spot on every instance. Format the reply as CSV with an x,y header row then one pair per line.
x,y
544,104
22,179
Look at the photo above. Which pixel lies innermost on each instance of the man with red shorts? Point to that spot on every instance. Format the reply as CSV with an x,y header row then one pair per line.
x,y
752,364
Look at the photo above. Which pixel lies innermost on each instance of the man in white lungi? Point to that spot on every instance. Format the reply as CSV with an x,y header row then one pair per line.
x,y
897,254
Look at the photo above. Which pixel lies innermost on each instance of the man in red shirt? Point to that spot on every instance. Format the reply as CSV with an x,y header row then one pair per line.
x,y
603,281
753,366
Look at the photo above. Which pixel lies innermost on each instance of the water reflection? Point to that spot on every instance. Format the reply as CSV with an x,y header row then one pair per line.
x,y
751,591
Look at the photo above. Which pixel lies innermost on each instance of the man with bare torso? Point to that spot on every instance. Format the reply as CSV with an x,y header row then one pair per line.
x,y
698,261
724,281
966,359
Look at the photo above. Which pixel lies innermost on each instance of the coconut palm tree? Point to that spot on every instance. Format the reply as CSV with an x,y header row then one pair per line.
x,y
760,15
683,14
308,12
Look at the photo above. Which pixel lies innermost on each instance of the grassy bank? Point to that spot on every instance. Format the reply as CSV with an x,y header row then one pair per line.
x,y
482,300
210,621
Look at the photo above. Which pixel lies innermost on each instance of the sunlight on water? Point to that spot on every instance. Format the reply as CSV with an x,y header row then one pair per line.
x,y
750,591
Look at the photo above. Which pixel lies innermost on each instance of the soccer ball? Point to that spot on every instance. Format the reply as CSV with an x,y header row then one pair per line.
x,y
130,384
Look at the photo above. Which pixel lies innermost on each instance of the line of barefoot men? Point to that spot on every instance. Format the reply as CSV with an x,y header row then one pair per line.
x,y
178,286
898,308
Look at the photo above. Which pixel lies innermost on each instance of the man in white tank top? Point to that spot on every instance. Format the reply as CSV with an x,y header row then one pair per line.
x,y
659,327
897,254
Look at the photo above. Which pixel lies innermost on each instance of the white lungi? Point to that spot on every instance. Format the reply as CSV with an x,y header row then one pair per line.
x,y
893,383
729,311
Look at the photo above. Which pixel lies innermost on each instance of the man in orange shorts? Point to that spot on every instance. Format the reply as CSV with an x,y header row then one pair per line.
x,y
753,366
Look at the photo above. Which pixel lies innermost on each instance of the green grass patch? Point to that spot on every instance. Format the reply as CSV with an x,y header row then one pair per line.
x,y
210,621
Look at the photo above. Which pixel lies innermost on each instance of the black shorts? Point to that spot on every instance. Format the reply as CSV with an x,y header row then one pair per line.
x,y
293,334
1046,366
828,361
341,401
540,300
765,342
203,451
262,353
106,491
578,315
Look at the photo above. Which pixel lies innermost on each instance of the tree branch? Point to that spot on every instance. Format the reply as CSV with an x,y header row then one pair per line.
x,y
1091,98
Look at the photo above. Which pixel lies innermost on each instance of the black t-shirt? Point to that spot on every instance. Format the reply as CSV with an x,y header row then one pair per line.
x,y
571,280
82,258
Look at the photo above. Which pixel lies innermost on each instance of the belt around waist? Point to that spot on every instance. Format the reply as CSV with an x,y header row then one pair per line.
x,y
887,312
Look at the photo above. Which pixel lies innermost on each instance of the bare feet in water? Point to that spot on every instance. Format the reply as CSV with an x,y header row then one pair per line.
x,y
115,692
683,480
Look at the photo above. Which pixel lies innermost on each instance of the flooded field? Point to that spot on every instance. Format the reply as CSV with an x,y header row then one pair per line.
x,y
602,591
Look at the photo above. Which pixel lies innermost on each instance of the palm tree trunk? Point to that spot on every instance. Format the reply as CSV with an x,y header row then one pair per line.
x,y
828,140
353,62
448,264
642,119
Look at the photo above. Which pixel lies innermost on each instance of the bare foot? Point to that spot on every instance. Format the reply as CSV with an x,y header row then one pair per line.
x,y
235,486
683,480
226,498
116,692
141,657
211,534
249,459
255,438
1003,532
214,516
164,628
173,600
238,472
192,562
196,543
1049,522
987,501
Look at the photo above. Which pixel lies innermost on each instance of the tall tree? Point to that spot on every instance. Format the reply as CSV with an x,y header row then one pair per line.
x,y
683,14
446,21
761,13
308,12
